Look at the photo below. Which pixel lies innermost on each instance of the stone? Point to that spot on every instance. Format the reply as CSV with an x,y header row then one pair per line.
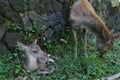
x,y
56,6
58,28
2,32
113,22
55,19
115,3
41,21
2,20
2,27
26,21
12,38
32,4
43,7
3,49
7,11
58,31
60,1
49,32
18,5
34,16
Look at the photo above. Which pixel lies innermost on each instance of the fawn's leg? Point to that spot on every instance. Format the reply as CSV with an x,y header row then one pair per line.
x,y
42,69
76,41
84,41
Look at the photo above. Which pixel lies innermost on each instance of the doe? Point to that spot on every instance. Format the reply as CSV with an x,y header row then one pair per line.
x,y
83,16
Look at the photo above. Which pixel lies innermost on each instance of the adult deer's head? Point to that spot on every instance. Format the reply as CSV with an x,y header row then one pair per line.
x,y
105,45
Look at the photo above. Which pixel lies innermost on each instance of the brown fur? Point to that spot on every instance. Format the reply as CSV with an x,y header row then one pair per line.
x,y
83,15
35,58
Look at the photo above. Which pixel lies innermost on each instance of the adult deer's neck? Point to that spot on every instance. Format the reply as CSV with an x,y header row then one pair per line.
x,y
101,29
82,12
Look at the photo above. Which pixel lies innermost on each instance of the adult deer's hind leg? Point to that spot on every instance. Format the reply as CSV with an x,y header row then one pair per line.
x,y
84,41
76,42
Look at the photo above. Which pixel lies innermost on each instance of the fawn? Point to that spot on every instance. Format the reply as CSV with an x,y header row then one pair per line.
x,y
83,16
35,58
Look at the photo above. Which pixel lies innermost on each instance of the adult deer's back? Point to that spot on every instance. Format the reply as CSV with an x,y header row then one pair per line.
x,y
83,16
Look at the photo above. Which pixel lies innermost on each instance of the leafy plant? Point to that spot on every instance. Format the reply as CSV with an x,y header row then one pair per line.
x,y
68,68
31,34
9,66
13,28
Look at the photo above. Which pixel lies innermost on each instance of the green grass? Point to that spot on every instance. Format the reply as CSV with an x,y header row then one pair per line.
x,y
67,67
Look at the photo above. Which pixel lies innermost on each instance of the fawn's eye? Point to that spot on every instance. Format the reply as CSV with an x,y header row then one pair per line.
x,y
34,51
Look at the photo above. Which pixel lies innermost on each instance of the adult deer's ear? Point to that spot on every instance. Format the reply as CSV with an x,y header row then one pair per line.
x,y
112,31
116,37
21,45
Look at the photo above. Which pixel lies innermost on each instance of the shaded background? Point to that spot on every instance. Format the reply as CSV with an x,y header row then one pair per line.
x,y
51,17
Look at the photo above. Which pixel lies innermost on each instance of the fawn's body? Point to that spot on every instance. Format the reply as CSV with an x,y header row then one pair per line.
x,y
35,58
83,16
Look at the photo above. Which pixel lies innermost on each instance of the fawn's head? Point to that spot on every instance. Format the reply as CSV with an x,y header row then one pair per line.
x,y
33,49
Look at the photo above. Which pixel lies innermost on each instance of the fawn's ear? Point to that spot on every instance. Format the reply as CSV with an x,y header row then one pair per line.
x,y
21,45
35,42
116,37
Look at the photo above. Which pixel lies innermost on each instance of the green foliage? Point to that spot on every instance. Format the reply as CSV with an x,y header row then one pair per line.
x,y
67,67
13,28
25,5
9,66
31,34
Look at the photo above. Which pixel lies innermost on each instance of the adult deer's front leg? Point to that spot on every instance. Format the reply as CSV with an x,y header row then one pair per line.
x,y
76,41
84,41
